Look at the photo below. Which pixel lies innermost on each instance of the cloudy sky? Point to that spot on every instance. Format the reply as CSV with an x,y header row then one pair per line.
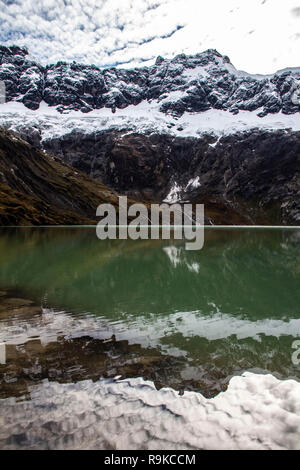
x,y
259,36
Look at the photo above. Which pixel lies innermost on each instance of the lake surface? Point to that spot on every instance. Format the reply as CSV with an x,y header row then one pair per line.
x,y
76,310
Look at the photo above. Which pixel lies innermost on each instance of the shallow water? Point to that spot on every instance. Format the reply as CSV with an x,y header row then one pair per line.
x,y
190,320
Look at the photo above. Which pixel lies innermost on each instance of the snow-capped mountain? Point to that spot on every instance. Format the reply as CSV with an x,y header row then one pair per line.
x,y
184,84
191,128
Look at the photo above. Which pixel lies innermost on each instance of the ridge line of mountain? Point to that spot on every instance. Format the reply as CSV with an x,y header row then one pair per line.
x,y
195,83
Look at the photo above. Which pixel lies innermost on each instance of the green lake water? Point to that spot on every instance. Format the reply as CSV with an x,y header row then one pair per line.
x,y
208,314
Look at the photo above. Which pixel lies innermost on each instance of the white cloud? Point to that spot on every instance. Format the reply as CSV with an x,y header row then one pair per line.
x,y
260,36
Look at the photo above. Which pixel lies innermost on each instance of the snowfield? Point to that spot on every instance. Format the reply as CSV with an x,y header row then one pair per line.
x,y
142,118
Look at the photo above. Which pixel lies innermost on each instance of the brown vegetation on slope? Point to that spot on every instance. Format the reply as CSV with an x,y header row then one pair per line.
x,y
36,188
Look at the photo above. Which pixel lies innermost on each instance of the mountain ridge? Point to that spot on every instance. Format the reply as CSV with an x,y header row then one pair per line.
x,y
195,83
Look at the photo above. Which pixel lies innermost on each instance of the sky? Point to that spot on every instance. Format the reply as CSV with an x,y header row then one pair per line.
x,y
259,36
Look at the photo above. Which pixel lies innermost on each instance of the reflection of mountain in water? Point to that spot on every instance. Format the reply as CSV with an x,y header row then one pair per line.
x,y
230,307
41,344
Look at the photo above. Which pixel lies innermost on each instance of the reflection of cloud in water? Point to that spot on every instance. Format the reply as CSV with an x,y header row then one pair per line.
x,y
254,413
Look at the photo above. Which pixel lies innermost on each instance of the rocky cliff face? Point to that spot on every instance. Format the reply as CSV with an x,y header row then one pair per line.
x,y
183,84
37,189
248,177
254,173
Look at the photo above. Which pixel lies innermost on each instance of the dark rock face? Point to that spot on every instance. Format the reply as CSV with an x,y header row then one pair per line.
x,y
185,83
23,77
37,189
252,172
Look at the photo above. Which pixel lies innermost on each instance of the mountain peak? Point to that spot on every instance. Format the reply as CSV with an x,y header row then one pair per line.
x,y
185,83
13,50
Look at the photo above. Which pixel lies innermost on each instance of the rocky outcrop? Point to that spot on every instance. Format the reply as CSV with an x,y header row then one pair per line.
x,y
184,84
37,189
23,76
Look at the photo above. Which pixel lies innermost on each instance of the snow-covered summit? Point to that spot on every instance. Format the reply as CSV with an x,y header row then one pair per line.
x,y
194,84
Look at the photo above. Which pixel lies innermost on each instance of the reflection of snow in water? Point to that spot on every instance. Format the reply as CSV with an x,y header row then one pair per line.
x,y
193,267
255,412
149,330
174,254
176,258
